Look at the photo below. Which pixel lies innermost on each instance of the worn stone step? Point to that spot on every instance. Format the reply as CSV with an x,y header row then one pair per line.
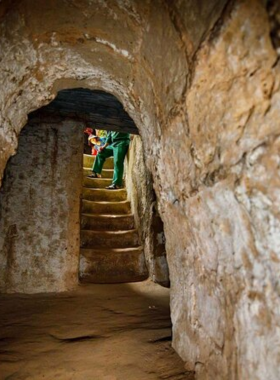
x,y
106,173
92,207
109,239
112,265
97,183
104,195
88,161
107,222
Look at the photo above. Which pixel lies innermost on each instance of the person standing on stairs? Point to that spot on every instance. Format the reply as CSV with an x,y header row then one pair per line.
x,y
116,145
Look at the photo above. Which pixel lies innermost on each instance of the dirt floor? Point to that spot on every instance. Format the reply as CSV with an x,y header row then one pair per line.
x,y
99,332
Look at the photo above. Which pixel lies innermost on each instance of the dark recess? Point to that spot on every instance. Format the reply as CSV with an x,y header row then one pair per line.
x,y
97,108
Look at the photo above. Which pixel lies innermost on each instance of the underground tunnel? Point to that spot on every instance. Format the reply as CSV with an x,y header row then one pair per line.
x,y
197,85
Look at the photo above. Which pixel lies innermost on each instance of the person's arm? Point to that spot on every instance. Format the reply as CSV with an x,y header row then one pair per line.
x,y
108,142
103,147
109,139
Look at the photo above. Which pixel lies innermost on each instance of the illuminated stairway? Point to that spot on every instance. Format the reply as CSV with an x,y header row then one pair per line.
x,y
110,250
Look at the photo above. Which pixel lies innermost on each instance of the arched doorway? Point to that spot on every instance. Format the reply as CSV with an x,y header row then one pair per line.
x,y
43,185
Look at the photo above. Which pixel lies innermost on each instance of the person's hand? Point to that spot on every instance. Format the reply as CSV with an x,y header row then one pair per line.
x,y
101,148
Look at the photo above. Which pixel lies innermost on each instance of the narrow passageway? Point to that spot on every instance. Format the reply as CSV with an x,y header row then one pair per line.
x,y
110,248
98,332
198,84
76,233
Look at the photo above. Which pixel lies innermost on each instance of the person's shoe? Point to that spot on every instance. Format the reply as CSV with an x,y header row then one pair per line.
x,y
113,187
94,175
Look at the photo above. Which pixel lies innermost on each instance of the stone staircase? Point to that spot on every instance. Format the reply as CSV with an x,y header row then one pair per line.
x,y
110,250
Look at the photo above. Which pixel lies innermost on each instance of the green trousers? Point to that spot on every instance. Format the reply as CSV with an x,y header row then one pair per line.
x,y
118,150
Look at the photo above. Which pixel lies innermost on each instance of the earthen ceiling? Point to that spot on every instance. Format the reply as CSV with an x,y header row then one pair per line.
x,y
98,109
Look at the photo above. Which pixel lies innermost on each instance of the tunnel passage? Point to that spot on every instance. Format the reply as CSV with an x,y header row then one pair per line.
x,y
41,211
201,81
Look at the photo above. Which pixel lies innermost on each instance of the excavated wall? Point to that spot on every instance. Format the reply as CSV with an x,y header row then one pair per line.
x,y
39,209
201,81
144,207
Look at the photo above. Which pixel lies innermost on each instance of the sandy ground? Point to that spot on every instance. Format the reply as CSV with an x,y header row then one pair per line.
x,y
99,332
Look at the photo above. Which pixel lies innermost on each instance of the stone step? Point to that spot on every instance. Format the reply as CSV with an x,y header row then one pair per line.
x,y
97,183
112,265
88,161
107,222
104,195
92,207
106,173
109,239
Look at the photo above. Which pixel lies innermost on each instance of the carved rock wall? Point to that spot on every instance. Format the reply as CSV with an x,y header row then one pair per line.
x,y
39,210
140,192
224,191
201,82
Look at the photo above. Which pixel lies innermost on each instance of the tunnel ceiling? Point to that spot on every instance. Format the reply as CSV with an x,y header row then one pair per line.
x,y
98,108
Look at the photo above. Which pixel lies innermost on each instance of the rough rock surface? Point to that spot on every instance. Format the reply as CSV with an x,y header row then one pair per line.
x,y
225,266
39,209
144,207
203,89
